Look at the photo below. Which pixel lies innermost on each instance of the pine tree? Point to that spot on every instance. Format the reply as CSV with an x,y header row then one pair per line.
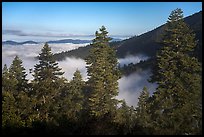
x,y
10,119
17,71
47,67
5,71
103,75
47,84
16,104
14,78
142,111
177,100
76,90
8,82
125,119
72,97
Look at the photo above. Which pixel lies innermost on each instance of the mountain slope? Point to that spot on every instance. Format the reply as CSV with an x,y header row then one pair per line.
x,y
147,43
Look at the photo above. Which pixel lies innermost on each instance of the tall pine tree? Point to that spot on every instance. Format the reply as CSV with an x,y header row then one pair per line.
x,y
16,103
103,75
46,84
177,100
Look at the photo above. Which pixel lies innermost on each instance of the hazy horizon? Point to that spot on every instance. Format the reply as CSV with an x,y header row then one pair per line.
x,y
43,40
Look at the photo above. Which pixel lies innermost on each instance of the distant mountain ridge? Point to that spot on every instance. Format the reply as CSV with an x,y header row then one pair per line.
x,y
10,42
74,41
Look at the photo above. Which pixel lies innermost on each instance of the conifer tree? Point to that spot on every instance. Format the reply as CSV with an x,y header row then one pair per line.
x,y
17,72
142,111
47,67
8,82
72,97
10,119
103,75
16,103
5,72
76,90
177,100
125,119
46,84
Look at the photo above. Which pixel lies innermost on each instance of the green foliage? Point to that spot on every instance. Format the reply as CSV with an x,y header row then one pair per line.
x,y
103,75
14,78
47,67
8,82
17,71
46,84
178,75
9,116
143,111
72,98
16,105
125,119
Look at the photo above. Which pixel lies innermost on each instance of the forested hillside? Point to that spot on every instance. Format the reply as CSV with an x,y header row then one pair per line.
x,y
147,43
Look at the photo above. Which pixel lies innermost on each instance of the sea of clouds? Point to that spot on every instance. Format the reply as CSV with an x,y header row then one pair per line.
x,y
132,59
28,52
129,86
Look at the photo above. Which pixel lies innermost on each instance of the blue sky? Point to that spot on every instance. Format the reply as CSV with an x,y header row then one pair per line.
x,y
50,20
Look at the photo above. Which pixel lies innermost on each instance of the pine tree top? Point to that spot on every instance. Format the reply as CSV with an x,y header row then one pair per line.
x,y
47,68
77,76
5,69
17,67
176,15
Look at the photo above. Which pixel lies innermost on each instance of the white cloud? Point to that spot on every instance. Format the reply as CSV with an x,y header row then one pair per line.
x,y
132,59
70,65
131,86
27,53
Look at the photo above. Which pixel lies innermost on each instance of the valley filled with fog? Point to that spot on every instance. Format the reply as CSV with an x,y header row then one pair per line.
x,y
129,86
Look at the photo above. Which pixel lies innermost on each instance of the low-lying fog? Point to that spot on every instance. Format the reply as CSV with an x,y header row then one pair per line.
x,y
129,86
132,59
